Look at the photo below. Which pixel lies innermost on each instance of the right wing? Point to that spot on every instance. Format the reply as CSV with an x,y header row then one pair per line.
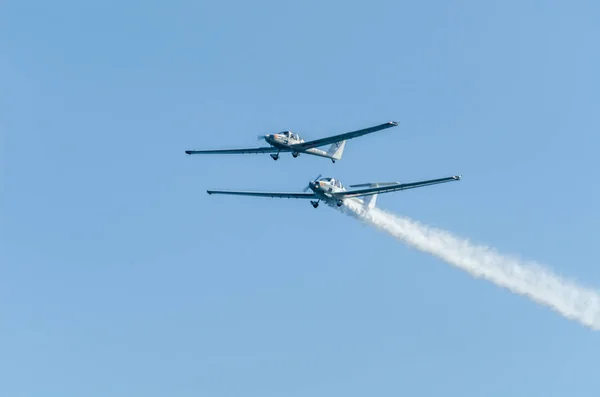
x,y
263,194
343,137
392,187
375,184
269,149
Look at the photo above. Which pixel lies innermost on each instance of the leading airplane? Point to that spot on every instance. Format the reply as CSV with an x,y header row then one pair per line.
x,y
331,191
288,141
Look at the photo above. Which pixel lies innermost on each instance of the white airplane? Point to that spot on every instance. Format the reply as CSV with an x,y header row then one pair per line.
x,y
331,191
287,141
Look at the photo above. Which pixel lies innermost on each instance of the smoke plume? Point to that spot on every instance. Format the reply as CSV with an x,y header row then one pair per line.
x,y
527,278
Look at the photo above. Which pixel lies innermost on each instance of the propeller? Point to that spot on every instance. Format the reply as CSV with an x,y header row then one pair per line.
x,y
313,181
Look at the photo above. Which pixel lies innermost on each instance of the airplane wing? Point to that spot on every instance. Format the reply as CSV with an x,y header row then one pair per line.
x,y
263,194
268,149
375,184
389,187
343,137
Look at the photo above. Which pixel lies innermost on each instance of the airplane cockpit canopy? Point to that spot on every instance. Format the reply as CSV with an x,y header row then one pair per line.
x,y
332,181
290,135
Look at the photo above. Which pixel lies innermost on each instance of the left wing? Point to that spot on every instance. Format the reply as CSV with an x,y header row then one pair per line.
x,y
269,149
393,187
263,194
342,137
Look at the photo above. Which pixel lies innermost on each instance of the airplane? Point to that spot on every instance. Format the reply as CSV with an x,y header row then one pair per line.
x,y
288,141
331,191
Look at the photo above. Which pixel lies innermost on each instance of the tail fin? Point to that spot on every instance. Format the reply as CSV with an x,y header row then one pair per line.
x,y
336,150
370,201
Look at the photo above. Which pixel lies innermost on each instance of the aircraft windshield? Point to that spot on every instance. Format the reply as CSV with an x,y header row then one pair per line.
x,y
332,181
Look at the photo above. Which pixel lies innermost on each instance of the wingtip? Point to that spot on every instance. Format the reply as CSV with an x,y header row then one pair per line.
x,y
457,177
394,123
188,152
209,192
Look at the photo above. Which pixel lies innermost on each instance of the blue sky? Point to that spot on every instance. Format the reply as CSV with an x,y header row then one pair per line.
x,y
121,276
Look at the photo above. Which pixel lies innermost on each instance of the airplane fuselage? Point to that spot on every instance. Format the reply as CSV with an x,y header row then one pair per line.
x,y
325,190
286,139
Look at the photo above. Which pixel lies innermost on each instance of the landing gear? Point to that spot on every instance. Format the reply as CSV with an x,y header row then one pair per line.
x,y
333,161
340,203
295,154
315,204
275,156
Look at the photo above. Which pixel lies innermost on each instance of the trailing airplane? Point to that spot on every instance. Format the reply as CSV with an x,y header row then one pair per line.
x,y
331,191
288,141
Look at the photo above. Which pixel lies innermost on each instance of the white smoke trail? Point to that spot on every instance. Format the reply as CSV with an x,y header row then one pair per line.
x,y
526,278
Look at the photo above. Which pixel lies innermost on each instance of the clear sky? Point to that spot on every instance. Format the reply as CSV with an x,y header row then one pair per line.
x,y
120,276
